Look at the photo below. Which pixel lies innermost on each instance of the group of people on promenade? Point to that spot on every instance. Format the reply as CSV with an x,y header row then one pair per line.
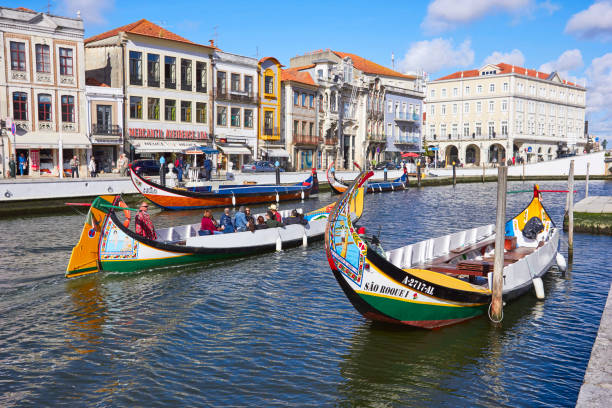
x,y
240,222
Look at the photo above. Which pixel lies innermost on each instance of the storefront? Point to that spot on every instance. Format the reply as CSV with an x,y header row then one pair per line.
x,y
304,159
276,154
232,150
148,143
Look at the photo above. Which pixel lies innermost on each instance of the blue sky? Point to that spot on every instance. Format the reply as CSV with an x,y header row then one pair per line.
x,y
438,36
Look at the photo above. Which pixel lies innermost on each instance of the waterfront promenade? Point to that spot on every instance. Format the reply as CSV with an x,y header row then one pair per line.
x,y
593,215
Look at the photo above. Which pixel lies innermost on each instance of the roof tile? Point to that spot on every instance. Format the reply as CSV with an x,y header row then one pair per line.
x,y
296,75
370,67
141,27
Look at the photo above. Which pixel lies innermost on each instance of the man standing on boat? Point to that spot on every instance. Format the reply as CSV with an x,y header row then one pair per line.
x,y
144,225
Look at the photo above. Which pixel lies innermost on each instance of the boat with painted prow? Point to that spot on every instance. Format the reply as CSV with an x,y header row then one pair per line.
x,y
191,198
108,244
338,187
439,281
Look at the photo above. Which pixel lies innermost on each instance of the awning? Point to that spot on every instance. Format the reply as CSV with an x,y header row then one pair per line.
x,y
277,152
235,149
200,150
160,146
51,141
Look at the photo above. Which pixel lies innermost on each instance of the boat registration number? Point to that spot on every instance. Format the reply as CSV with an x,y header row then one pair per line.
x,y
418,285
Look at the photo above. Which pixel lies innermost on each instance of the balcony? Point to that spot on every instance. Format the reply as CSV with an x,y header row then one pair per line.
x,y
407,117
305,139
270,134
105,130
331,141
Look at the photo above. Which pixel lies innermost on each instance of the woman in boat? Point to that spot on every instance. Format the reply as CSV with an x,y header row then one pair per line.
x,y
226,222
208,226
144,225
240,220
249,217
296,218
261,223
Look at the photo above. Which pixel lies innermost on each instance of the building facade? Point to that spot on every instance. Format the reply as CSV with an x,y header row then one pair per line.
x,y
270,143
43,91
499,112
403,118
165,81
236,101
299,119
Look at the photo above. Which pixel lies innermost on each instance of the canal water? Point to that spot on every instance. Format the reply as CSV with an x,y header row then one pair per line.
x,y
276,330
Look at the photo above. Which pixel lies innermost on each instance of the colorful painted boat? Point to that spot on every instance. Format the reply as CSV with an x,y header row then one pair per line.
x,y
439,281
174,198
107,243
338,187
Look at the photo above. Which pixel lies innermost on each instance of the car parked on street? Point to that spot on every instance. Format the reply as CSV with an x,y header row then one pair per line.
x,y
259,166
147,167
388,165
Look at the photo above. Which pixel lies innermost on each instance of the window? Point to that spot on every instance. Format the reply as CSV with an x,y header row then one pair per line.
x,y
504,128
443,92
248,84
506,87
311,101
443,130
200,112
432,93
185,111
504,106
221,115
185,76
466,130
235,82
397,108
454,108
248,118
304,100
153,70
269,123
443,110
67,108
135,107
467,90
235,117
170,109
18,61
153,108
221,83
491,129
390,107
478,107
20,106
311,129
491,87
135,68
455,130
491,106
296,98
269,84
44,107
479,89
432,131
454,91
320,73
43,58
65,61
170,72
304,127
296,127
432,110
478,129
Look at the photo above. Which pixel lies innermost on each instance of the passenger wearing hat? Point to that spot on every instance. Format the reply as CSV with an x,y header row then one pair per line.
x,y
277,215
144,225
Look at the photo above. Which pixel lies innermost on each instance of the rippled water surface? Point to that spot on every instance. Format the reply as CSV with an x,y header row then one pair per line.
x,y
276,330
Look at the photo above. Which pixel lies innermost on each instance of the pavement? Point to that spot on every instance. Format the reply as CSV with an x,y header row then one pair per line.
x,y
596,390
594,204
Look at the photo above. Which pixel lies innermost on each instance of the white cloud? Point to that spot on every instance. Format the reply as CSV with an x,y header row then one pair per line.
x,y
92,11
443,15
568,61
594,22
599,94
433,55
514,57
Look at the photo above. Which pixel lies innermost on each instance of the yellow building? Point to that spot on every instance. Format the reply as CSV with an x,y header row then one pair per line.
x,y
271,145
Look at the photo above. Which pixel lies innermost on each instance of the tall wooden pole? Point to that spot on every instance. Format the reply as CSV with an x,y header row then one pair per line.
x,y
586,189
570,209
523,170
454,174
500,232
419,175
483,173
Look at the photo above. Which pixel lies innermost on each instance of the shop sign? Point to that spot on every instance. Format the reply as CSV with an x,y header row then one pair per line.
x,y
142,133
35,159
529,149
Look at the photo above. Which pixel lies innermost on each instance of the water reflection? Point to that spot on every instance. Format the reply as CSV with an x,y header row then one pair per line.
x,y
88,312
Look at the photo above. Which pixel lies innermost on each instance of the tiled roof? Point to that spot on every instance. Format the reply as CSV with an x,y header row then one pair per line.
x,y
296,75
370,67
95,82
25,9
504,69
141,27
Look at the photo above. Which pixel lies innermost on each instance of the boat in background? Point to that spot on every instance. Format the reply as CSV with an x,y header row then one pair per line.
x,y
108,244
190,198
338,187
438,281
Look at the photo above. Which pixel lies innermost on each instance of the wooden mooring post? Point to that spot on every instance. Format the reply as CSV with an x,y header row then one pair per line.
x,y
570,210
523,170
586,187
454,174
496,314
419,175
483,172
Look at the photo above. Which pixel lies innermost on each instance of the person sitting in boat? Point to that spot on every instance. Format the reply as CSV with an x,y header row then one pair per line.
x,y
261,223
271,222
240,220
295,218
144,225
226,222
275,214
249,217
208,226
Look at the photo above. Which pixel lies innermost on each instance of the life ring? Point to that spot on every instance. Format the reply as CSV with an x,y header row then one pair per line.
x,y
127,213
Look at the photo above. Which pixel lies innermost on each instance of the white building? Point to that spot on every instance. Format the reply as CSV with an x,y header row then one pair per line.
x,y
42,90
502,111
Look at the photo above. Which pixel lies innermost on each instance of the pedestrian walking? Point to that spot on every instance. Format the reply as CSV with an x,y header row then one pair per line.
x,y
122,163
92,167
22,164
74,167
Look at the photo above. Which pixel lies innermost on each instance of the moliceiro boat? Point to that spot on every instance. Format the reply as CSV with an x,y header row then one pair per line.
x,y
108,244
190,198
339,187
439,281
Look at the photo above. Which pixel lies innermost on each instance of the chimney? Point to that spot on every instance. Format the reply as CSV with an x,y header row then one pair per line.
x,y
212,43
